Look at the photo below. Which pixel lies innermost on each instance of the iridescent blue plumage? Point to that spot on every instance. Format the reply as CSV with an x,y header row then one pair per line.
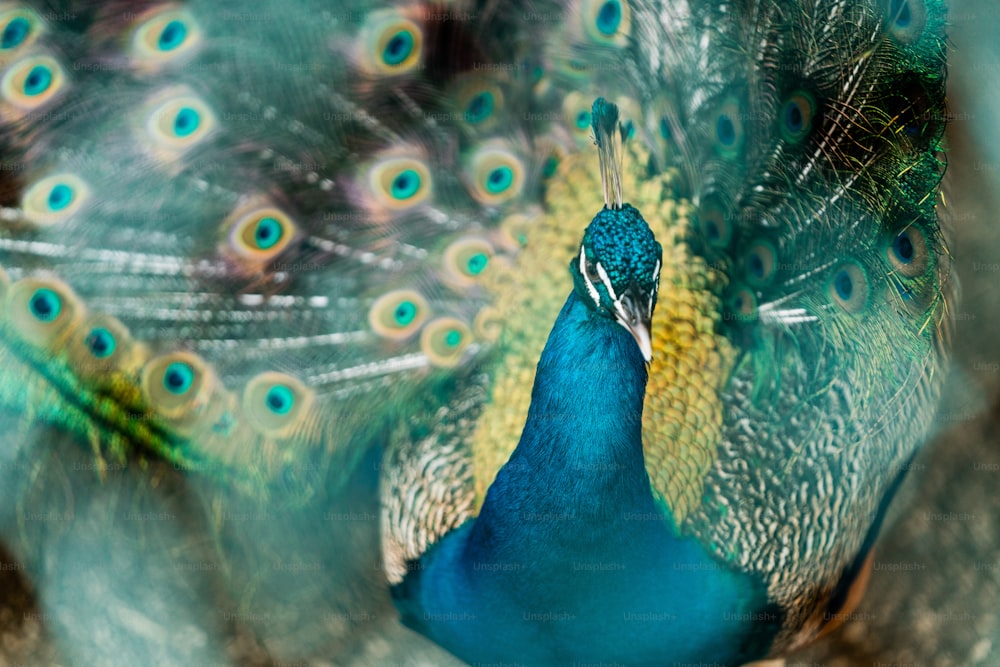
x,y
570,545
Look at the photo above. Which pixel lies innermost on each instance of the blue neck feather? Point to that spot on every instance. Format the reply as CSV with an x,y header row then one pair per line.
x,y
570,559
580,453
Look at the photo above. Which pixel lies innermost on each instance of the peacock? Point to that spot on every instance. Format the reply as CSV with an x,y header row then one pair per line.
x,y
278,279
602,553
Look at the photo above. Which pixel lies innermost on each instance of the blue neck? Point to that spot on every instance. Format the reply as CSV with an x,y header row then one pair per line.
x,y
580,454
570,559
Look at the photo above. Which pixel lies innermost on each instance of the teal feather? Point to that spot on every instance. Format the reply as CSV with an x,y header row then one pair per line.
x,y
298,264
545,573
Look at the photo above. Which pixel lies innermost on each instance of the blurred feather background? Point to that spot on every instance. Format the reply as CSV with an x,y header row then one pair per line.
x,y
934,596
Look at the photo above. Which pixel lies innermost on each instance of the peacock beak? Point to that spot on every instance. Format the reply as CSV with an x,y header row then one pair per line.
x,y
634,316
640,331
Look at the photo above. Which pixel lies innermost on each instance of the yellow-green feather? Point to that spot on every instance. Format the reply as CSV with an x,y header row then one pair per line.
x,y
683,412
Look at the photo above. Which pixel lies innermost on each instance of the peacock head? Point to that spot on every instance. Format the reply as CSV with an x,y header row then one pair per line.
x,y
617,273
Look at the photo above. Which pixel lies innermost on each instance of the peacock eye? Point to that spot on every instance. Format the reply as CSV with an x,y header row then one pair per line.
x,y
761,263
177,386
276,404
180,122
391,43
165,36
178,377
15,33
607,22
42,312
400,183
45,305
714,223
32,82
576,116
729,129
909,253
797,116
466,260
54,199
444,341
609,17
101,342
18,27
481,107
743,305
592,273
495,175
906,20
260,234
279,399
101,349
849,287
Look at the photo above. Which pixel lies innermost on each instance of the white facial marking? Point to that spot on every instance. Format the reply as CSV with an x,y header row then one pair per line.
x,y
583,272
622,315
607,281
656,290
